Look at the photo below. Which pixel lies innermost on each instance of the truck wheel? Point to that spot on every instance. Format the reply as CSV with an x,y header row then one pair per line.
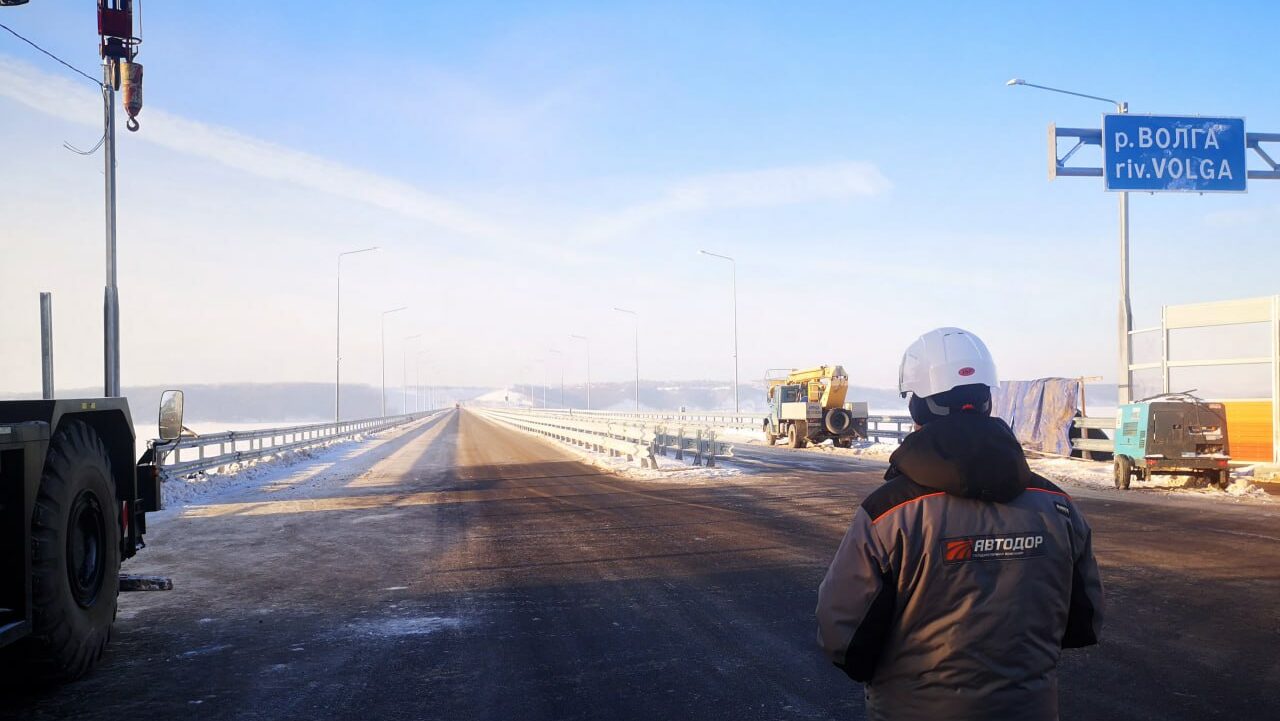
x,y
1223,478
770,437
75,556
1124,472
796,436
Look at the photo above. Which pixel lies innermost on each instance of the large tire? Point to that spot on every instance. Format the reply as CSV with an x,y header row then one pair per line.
x,y
837,421
1123,472
770,437
1223,478
798,434
75,557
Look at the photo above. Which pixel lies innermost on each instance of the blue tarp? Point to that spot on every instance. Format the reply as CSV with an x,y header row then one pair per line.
x,y
1039,411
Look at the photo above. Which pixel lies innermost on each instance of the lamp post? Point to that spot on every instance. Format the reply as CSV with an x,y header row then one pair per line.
x,y
1126,311
385,313
587,342
337,359
561,354
734,265
404,373
428,402
636,317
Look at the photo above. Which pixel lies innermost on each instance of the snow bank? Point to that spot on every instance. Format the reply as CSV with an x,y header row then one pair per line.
x,y
1096,474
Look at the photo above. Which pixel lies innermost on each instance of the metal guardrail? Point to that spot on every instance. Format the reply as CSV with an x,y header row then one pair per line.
x,y
741,421
640,441
212,450
1090,445
878,427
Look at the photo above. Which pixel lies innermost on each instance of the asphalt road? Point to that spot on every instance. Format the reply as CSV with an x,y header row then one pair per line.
x,y
462,570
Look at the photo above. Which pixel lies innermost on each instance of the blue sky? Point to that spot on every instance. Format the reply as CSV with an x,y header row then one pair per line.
x,y
535,164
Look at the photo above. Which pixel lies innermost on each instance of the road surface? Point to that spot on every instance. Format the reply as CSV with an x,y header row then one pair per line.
x,y
463,570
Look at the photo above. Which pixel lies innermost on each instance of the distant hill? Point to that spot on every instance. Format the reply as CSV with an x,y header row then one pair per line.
x,y
245,402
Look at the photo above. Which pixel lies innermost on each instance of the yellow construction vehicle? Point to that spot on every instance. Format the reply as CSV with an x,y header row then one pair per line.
x,y
808,405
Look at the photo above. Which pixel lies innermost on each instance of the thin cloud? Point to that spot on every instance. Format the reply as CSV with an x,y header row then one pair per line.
x,y
72,102
771,187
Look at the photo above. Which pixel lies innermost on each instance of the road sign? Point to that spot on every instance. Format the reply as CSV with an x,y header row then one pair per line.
x,y
1173,153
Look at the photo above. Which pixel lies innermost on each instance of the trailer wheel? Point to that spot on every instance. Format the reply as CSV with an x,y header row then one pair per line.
x,y
1124,472
75,556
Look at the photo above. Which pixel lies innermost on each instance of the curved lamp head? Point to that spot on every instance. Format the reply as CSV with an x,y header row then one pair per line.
x,y
1016,81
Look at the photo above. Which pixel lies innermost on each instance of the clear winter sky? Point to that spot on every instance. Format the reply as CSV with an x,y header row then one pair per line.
x,y
528,166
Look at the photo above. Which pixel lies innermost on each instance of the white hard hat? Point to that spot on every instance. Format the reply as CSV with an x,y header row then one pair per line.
x,y
945,358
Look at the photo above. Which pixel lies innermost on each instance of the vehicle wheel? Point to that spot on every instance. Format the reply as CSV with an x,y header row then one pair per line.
x,y
75,557
844,442
770,438
797,435
1223,478
1124,472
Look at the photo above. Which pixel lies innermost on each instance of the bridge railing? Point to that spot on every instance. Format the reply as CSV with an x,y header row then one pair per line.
x,y
191,454
641,441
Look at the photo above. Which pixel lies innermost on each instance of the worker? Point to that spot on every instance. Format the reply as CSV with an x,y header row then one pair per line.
x,y
962,578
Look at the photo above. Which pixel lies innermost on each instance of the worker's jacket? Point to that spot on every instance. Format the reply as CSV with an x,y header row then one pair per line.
x,y
960,580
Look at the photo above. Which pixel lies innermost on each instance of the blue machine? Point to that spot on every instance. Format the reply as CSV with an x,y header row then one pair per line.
x,y
1176,434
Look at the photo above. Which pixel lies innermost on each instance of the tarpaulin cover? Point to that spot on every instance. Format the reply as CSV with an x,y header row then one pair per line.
x,y
1039,411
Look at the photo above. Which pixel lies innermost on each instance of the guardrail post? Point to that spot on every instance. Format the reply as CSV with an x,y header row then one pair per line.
x,y
697,454
680,444
711,453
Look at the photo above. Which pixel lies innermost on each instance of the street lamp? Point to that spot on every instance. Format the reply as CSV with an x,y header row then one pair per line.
x,y
337,361
404,373
734,264
428,399
1126,311
561,354
636,317
587,342
383,320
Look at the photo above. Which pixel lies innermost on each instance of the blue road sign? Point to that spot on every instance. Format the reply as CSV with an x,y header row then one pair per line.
x,y
1157,153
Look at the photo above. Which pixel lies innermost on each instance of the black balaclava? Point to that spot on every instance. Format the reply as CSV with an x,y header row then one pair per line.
x,y
972,398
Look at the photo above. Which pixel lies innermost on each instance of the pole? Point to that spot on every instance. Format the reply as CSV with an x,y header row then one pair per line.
x,y
384,365
1125,390
337,338
46,345
337,348
637,365
734,265
734,269
1125,316
111,294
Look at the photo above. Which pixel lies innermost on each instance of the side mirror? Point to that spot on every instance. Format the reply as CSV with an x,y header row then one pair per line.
x,y
170,422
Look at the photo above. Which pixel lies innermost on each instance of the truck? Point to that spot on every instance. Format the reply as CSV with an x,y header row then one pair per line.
x,y
1172,433
73,506
808,406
